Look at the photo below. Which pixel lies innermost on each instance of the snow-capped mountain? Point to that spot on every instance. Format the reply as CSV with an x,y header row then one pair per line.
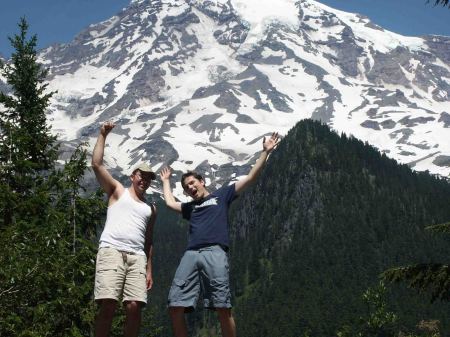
x,y
197,84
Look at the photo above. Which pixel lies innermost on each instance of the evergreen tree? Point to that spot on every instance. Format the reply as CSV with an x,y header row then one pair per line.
x,y
434,277
27,148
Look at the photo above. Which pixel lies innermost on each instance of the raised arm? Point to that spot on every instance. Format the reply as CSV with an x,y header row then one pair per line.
x,y
268,146
104,178
167,191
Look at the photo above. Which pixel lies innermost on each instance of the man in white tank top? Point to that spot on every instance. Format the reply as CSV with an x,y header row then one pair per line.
x,y
123,267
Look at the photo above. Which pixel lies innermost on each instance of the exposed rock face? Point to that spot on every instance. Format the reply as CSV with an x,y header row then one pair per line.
x,y
192,83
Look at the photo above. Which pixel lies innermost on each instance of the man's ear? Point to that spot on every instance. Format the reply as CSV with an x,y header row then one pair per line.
x,y
202,182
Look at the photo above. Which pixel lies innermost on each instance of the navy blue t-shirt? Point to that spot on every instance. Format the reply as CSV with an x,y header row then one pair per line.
x,y
208,218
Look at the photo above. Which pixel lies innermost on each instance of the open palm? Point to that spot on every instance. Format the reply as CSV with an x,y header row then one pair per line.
x,y
271,143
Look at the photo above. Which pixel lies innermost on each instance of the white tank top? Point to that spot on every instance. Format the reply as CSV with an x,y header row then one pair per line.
x,y
126,223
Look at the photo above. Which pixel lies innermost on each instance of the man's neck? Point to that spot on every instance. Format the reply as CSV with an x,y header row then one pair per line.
x,y
205,195
135,194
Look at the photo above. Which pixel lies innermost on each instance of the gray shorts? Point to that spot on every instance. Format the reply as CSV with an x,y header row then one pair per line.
x,y
204,270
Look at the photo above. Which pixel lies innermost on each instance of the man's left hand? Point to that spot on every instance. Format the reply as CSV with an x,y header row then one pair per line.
x,y
271,143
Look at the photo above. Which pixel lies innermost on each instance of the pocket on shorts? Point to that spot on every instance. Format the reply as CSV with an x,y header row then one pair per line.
x,y
106,260
107,276
141,260
220,288
143,276
179,283
176,293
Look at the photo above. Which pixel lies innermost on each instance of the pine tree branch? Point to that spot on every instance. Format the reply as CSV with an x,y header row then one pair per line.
x,y
423,277
10,290
441,228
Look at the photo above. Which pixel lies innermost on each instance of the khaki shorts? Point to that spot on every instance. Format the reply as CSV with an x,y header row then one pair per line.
x,y
120,274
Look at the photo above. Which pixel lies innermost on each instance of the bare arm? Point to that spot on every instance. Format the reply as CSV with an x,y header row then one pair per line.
x,y
167,191
106,181
149,247
268,146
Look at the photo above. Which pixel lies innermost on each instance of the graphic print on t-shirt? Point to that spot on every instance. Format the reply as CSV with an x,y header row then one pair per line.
x,y
209,202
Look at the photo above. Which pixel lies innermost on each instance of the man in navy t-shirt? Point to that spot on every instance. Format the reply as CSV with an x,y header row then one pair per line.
x,y
204,266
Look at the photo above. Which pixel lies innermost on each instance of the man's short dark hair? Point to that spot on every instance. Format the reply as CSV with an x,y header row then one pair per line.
x,y
190,174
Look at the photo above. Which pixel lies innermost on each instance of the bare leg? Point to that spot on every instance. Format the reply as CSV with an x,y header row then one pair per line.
x,y
105,317
132,319
227,324
178,322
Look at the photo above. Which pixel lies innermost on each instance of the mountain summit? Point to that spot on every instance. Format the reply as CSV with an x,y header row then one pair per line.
x,y
196,84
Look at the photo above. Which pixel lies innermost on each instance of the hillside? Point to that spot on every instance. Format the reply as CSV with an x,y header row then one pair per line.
x,y
326,217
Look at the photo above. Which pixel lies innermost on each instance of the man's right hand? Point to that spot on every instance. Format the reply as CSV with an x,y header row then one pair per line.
x,y
106,128
165,173
111,186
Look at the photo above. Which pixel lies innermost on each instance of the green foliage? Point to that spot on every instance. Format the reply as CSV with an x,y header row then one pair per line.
x,y
150,327
48,260
425,277
378,321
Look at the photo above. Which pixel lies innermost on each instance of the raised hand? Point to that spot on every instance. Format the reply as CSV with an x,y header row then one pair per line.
x,y
165,173
106,128
271,143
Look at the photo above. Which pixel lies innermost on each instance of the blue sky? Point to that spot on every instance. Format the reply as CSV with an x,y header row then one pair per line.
x,y
54,21
58,21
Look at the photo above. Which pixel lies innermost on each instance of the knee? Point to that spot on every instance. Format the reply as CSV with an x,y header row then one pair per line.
x,y
224,314
176,311
107,307
133,307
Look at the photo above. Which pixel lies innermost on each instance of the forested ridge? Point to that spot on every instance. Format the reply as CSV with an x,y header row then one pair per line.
x,y
327,216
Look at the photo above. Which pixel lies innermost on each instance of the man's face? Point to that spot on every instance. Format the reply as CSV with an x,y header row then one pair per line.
x,y
194,187
141,180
